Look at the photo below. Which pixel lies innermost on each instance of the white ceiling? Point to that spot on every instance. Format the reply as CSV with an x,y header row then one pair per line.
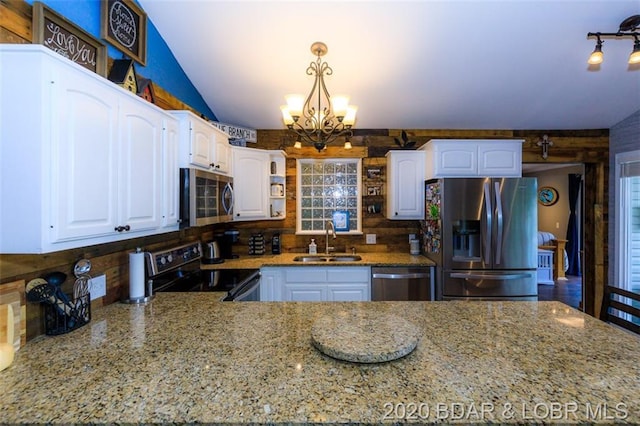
x,y
476,64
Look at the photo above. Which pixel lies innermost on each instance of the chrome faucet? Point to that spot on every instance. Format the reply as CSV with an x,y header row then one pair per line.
x,y
327,225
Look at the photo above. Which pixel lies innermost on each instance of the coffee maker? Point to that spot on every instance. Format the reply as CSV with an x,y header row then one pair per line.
x,y
227,240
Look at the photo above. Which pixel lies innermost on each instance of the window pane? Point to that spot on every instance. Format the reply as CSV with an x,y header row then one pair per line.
x,y
327,186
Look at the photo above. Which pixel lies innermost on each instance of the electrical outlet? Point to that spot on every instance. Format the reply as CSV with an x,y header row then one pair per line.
x,y
371,238
98,286
412,237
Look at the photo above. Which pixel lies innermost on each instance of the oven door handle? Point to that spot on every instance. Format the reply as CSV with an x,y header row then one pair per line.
x,y
246,290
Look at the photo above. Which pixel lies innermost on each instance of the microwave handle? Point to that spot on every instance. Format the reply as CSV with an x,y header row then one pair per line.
x,y
227,189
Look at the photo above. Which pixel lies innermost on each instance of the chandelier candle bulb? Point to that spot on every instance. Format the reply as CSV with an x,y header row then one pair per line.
x,y
286,116
294,105
350,118
340,104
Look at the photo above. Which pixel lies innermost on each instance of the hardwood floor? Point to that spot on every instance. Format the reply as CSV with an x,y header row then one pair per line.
x,y
569,291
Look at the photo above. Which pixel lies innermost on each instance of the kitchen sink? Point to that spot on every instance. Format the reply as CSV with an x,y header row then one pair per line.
x,y
348,258
330,258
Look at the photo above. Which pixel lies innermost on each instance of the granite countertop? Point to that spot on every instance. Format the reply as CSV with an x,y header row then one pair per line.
x,y
186,357
286,259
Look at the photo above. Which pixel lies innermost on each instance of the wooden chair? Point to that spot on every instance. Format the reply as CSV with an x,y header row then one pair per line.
x,y
609,302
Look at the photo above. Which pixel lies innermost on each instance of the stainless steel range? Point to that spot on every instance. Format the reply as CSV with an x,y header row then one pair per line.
x,y
177,269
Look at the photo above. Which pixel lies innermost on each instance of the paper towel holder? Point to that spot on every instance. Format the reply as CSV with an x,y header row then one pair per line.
x,y
142,300
148,291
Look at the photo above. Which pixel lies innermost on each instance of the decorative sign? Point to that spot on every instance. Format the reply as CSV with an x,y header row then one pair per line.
x,y
235,132
124,25
63,37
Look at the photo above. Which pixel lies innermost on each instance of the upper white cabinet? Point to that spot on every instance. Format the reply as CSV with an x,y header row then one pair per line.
x,y
405,199
83,161
473,158
202,145
259,193
250,184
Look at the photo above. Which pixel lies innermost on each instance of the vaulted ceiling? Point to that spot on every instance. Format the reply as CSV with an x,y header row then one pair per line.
x,y
448,64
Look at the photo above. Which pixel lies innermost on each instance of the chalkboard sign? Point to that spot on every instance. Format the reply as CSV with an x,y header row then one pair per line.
x,y
67,39
124,25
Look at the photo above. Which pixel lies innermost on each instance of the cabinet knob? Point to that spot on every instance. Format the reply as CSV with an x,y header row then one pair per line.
x,y
212,165
122,228
396,213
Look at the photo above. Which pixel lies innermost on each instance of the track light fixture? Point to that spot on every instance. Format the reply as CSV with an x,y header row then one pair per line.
x,y
628,28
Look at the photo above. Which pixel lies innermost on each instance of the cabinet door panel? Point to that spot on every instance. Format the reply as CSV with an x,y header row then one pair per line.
x,y
250,168
171,173
457,160
202,144
222,158
502,159
84,172
348,292
141,167
406,174
305,293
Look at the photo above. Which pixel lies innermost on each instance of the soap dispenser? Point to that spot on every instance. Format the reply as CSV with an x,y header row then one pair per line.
x,y
313,248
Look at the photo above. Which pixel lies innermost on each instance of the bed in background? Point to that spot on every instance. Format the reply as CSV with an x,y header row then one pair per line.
x,y
553,260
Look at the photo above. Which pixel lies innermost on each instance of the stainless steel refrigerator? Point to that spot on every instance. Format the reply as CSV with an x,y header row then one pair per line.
x,y
481,232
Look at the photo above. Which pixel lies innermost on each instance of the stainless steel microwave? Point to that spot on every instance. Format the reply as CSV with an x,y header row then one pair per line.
x,y
205,198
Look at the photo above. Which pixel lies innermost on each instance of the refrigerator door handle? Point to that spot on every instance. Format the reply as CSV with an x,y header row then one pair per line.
x,y
499,225
489,216
491,277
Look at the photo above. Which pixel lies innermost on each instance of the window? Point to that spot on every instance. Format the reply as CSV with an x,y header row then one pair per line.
x,y
329,189
627,271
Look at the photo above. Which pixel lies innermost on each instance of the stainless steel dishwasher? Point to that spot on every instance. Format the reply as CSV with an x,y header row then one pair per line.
x,y
400,283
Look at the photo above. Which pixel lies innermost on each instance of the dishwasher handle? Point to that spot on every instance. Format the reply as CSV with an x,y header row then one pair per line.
x,y
401,276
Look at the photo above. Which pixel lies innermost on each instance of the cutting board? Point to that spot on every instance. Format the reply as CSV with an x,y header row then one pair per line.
x,y
13,294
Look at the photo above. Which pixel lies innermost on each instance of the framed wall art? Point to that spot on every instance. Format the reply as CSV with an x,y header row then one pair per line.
x,y
67,39
124,25
341,220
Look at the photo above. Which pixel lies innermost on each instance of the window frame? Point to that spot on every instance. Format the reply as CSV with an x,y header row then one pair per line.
x,y
359,217
622,253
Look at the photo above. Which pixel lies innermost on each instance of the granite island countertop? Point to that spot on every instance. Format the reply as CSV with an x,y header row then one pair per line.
x,y
286,259
186,357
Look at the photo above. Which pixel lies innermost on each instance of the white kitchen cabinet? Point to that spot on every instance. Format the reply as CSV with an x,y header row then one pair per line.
x,y
250,184
202,145
171,175
140,166
82,159
259,194
405,185
270,284
473,158
316,283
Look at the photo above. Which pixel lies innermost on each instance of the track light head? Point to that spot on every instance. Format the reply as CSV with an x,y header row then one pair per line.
x,y
634,58
596,56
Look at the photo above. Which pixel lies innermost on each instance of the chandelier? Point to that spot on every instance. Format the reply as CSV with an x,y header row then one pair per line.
x,y
628,28
319,119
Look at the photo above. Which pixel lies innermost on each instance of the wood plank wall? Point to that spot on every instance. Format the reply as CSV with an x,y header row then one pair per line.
x,y
589,147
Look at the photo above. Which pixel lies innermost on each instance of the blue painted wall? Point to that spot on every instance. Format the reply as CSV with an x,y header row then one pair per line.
x,y
162,67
